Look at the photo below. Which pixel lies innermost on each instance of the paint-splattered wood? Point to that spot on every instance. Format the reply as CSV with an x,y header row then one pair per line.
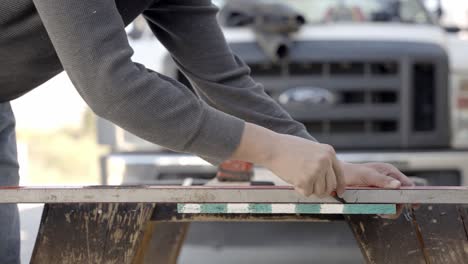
x,y
386,241
442,228
218,194
431,234
90,233
264,208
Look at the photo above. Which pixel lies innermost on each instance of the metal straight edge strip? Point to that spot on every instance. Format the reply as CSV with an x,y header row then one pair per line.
x,y
173,194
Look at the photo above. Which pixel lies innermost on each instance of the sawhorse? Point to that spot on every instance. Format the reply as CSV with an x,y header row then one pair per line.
x,y
139,224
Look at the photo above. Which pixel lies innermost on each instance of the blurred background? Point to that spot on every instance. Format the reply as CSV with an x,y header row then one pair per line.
x,y
63,148
381,80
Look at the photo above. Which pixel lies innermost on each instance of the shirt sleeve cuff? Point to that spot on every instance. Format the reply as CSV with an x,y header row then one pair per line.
x,y
218,137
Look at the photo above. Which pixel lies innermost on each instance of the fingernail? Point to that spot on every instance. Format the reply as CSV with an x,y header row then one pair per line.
x,y
393,184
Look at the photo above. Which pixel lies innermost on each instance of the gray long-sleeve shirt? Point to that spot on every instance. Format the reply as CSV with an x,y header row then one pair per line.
x,y
40,38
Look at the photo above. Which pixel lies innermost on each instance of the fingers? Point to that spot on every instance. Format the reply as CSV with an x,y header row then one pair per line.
x,y
392,171
322,175
397,174
307,185
337,171
317,183
320,185
314,181
325,185
330,182
303,191
339,176
376,179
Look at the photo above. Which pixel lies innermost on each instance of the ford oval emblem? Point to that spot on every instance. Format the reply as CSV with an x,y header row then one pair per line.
x,y
307,95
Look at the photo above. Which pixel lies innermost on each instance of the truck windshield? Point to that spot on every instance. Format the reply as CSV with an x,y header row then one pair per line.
x,y
334,11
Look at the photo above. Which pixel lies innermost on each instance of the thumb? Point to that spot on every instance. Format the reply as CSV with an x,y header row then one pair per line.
x,y
382,181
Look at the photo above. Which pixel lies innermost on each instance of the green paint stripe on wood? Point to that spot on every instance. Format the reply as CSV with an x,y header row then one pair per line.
x,y
307,208
260,208
213,208
369,209
180,208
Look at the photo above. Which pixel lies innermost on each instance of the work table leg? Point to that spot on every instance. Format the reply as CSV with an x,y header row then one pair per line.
x,y
162,242
432,234
90,233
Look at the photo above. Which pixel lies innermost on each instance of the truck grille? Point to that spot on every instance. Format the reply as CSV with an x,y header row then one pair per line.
x,y
382,100
389,95
338,68
351,126
424,107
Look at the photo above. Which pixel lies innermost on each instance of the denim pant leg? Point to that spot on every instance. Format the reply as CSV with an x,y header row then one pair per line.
x,y
9,216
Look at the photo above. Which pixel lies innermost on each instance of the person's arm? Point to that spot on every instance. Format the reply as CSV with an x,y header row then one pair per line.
x,y
92,45
190,31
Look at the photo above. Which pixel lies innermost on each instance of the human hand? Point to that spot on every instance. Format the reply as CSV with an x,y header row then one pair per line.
x,y
311,167
382,175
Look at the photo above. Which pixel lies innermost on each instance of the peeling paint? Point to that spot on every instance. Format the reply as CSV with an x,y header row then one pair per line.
x,y
83,233
67,218
361,225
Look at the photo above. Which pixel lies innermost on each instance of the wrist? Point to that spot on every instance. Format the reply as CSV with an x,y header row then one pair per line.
x,y
270,149
258,145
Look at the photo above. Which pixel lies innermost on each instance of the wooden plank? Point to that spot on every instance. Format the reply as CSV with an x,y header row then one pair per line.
x,y
217,194
267,208
168,213
90,233
431,234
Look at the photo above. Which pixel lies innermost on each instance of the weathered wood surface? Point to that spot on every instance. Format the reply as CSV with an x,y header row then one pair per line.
x,y
218,194
297,208
161,243
123,233
432,234
442,228
90,233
